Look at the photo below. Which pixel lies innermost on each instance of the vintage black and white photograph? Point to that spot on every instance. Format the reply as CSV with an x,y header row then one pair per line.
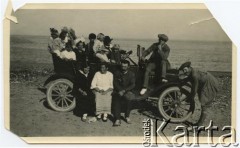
x,y
105,72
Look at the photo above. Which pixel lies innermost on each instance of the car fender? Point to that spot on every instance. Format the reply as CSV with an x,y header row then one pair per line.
x,y
54,77
160,88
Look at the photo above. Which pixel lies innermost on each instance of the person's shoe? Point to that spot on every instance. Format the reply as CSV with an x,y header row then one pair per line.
x,y
105,118
84,118
99,117
164,80
128,120
117,123
143,91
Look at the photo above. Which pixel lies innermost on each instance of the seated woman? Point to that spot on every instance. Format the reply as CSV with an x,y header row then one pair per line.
x,y
104,53
80,50
203,83
62,52
67,52
83,93
60,43
54,36
102,86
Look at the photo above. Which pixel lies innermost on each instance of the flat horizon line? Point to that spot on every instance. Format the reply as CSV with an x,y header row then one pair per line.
x,y
134,38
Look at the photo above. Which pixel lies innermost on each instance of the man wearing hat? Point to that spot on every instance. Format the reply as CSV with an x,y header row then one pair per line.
x,y
108,45
158,60
115,54
90,53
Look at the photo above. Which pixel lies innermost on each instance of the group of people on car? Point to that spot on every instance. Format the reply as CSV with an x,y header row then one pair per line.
x,y
102,92
67,46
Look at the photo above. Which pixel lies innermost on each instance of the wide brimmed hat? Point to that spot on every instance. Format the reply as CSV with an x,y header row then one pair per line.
x,y
116,46
104,49
186,64
163,37
54,31
81,39
107,40
72,34
64,29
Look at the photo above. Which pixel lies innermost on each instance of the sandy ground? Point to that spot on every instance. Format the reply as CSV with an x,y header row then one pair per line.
x,y
31,116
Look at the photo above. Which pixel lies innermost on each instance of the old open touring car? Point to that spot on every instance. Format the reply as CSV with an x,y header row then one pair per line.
x,y
172,97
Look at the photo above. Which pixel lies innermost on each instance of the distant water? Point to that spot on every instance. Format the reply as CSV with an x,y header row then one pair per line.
x,y
205,55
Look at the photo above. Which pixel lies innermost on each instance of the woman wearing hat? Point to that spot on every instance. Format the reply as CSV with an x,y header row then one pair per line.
x,y
104,52
54,35
80,50
62,47
102,55
59,50
68,36
203,83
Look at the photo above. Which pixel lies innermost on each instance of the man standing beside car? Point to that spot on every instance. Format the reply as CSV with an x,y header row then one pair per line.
x,y
158,61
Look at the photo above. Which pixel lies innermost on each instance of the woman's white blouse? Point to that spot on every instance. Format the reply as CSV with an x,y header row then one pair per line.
x,y
68,55
102,81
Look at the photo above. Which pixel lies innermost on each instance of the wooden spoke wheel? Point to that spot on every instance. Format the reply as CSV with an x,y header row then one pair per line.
x,y
173,105
59,95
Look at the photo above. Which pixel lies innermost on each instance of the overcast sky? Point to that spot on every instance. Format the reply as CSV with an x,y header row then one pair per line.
x,y
122,23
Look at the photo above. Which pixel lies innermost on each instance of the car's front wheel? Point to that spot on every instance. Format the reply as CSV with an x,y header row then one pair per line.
x,y
59,95
173,104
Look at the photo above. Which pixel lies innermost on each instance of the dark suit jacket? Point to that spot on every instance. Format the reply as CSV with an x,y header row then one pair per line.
x,y
82,82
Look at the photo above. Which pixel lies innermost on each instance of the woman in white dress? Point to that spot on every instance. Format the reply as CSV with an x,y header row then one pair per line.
x,y
102,86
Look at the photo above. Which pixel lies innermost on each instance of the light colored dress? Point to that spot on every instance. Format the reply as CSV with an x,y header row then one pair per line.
x,y
102,57
57,45
98,45
103,82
